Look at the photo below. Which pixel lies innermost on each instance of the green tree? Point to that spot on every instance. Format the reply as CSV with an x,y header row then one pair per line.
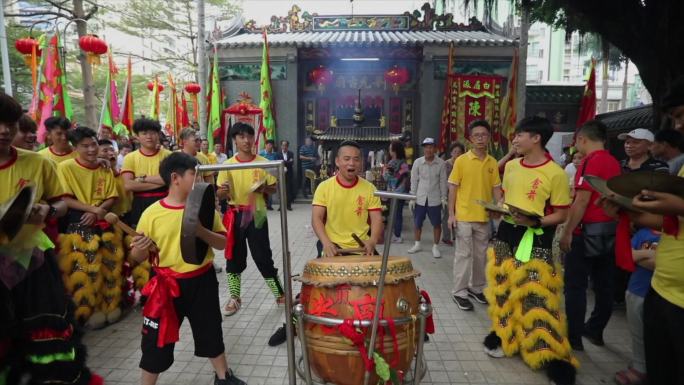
x,y
165,21
646,31
20,73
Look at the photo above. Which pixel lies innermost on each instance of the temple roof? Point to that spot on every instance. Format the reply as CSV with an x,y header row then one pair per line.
x,y
629,118
364,134
367,38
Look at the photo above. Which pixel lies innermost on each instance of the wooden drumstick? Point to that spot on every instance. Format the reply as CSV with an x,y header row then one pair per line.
x,y
113,220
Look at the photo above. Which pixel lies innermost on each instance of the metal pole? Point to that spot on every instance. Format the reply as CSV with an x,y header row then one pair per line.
x,y
6,76
383,270
423,311
299,313
201,69
287,273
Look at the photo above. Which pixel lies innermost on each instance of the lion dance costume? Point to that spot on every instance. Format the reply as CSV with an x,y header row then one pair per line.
x,y
525,281
91,259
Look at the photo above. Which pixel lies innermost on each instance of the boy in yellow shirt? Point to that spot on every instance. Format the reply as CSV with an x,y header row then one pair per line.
x,y
87,241
140,170
195,285
57,130
524,282
245,191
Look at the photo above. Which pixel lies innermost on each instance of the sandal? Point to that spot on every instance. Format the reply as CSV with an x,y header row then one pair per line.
x,y
630,376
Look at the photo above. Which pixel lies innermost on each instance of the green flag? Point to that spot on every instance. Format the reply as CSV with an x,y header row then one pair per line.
x,y
266,103
214,119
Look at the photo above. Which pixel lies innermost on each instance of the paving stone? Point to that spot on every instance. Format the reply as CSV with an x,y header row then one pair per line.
x,y
454,355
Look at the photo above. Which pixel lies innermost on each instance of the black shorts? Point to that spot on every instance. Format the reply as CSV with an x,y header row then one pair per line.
x,y
199,302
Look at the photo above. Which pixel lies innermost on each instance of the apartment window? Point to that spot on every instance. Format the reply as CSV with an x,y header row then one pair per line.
x,y
613,105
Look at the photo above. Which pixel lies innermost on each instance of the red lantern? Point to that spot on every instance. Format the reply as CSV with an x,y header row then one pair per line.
x,y
193,88
93,46
150,86
321,76
26,47
397,76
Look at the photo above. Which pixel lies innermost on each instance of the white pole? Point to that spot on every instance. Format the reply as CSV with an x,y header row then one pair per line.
x,y
3,48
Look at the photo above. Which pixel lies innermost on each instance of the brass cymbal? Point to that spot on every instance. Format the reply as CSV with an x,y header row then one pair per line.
x,y
199,208
631,184
601,187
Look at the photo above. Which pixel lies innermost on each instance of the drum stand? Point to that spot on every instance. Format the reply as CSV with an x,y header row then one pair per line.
x,y
424,309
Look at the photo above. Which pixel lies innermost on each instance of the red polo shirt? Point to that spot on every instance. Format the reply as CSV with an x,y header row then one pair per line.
x,y
603,165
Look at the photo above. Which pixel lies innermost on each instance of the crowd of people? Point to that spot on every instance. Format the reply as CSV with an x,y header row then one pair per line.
x,y
500,217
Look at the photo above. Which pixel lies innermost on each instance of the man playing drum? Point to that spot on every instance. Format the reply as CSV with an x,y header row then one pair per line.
x,y
343,205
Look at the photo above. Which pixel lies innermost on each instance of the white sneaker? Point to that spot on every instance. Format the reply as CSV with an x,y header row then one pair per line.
x,y
416,248
397,239
435,252
495,353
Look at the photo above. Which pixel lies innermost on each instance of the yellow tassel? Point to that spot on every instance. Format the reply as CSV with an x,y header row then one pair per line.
x,y
67,242
93,244
107,236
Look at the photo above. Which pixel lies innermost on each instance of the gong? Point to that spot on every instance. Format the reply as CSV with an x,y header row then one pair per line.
x,y
199,208
632,183
16,211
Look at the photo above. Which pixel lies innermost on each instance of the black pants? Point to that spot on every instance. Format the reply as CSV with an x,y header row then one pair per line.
x,y
290,187
199,302
663,340
259,246
578,269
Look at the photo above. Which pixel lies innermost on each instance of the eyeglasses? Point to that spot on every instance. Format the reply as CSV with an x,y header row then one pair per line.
x,y
479,135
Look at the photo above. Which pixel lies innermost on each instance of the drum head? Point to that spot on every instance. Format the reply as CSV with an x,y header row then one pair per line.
x,y
356,270
199,208
632,183
15,212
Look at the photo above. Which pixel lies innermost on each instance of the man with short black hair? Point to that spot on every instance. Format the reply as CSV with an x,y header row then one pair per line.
x,y
586,219
140,169
669,146
245,191
59,150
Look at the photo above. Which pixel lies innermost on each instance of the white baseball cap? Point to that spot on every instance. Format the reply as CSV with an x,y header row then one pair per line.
x,y
639,133
427,141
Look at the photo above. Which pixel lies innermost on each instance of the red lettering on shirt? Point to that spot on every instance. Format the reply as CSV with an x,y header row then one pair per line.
x,y
359,205
22,182
532,194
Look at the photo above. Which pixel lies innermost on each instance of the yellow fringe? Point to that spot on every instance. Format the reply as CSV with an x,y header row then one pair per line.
x,y
85,296
539,314
562,348
76,280
82,313
533,288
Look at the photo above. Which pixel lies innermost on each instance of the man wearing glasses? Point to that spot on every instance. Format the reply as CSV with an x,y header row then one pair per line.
x,y
474,177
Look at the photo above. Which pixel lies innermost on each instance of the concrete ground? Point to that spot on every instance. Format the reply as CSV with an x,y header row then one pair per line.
x,y
454,354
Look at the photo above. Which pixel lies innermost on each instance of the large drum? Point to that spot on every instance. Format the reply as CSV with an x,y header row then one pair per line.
x,y
346,288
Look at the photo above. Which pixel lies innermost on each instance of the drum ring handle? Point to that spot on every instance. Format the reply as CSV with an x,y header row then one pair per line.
x,y
402,305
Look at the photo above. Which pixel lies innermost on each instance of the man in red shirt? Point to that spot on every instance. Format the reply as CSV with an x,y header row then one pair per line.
x,y
588,239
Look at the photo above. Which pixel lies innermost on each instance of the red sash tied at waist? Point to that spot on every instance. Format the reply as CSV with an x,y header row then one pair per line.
x,y
151,194
160,291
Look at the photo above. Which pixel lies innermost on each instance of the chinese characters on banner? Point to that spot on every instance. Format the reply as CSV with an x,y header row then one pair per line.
x,y
469,98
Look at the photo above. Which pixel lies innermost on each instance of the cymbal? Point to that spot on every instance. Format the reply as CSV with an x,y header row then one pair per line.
x,y
631,184
200,207
492,207
601,187
15,211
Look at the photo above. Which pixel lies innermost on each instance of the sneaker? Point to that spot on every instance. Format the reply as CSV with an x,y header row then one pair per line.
x,y
229,380
594,339
280,300
232,306
463,303
397,239
416,248
477,297
217,268
279,337
435,252
495,353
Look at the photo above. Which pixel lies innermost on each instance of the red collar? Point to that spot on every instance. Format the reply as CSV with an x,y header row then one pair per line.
x,y
13,158
337,178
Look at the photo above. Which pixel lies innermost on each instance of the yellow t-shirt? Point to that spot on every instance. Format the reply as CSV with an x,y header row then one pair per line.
x,y
203,160
346,209
211,157
29,167
668,277
533,188
474,180
123,204
139,164
162,223
241,181
90,186
55,157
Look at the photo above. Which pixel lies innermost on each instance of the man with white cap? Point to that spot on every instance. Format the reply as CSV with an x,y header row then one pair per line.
x,y
638,142
429,185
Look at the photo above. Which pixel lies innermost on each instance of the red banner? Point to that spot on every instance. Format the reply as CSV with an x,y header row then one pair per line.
x,y
469,98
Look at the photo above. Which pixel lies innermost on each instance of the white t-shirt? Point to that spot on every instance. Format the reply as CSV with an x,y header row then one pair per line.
x,y
571,170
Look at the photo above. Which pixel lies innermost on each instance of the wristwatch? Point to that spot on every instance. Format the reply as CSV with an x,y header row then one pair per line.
x,y
52,212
